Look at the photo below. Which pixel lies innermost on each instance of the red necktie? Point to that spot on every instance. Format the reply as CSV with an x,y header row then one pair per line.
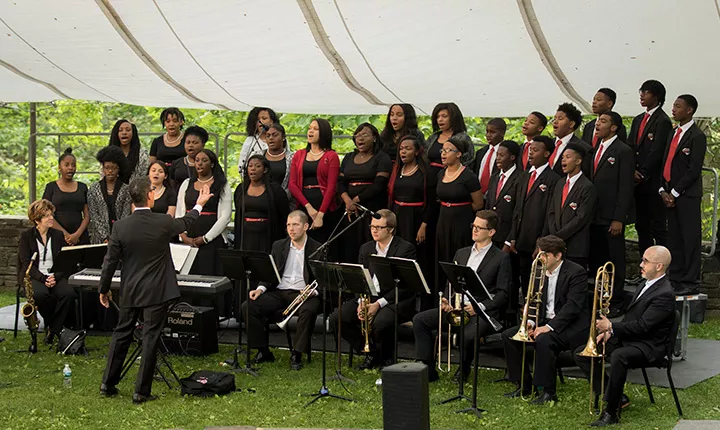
x,y
566,188
671,154
552,157
595,140
500,185
531,181
525,160
643,123
598,156
485,177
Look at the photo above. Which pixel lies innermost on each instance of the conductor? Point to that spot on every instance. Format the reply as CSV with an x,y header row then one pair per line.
x,y
147,282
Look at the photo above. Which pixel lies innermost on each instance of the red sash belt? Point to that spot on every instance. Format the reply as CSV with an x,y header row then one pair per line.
x,y
309,187
413,204
452,205
256,219
434,164
208,213
357,184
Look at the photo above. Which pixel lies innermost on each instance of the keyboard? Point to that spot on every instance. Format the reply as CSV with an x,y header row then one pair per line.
x,y
199,284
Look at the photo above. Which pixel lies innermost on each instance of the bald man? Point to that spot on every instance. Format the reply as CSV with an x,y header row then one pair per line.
x,y
638,340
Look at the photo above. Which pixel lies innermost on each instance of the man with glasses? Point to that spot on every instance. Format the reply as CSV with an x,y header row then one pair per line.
x,y
640,339
382,309
494,269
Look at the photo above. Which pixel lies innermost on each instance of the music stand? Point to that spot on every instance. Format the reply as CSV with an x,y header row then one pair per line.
x,y
398,272
249,265
71,259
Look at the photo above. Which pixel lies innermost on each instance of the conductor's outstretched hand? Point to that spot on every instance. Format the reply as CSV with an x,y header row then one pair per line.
x,y
204,196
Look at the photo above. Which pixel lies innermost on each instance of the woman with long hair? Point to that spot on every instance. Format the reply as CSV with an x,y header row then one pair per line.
x,y
279,156
165,196
124,135
401,121
109,198
258,123
69,197
184,168
169,146
208,232
447,122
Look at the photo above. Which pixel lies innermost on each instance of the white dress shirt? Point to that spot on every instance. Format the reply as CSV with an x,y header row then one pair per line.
x,y
550,296
492,160
647,286
477,255
292,277
45,257
684,129
573,179
507,175
561,147
382,253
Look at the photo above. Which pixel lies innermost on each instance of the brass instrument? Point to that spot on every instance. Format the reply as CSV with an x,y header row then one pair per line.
x,y
459,316
439,339
365,323
305,294
29,310
531,310
604,284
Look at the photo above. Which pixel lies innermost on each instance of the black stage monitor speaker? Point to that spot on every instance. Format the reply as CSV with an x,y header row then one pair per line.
x,y
406,400
190,330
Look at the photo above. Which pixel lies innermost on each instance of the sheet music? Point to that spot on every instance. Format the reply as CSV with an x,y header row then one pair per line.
x,y
418,269
183,257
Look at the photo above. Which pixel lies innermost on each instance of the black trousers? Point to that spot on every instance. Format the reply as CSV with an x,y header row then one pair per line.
x,y
685,242
153,318
606,247
274,302
547,347
622,357
382,327
427,321
54,303
651,222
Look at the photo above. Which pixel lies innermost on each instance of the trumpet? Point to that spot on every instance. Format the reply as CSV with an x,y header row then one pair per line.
x,y
531,310
365,324
604,284
305,293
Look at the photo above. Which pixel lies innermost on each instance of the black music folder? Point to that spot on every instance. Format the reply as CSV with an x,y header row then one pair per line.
x,y
351,278
405,271
70,259
238,264
467,281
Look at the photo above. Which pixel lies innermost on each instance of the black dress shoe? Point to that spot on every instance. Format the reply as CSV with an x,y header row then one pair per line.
x,y
544,398
370,362
513,394
624,401
138,398
296,360
108,390
605,420
263,357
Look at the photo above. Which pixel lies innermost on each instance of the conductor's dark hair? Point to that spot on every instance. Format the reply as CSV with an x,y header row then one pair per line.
x,y
375,133
457,122
326,136
408,127
656,88
113,154
615,118
134,155
491,217
572,113
551,244
579,150
512,147
65,154
171,111
612,95
546,141
218,185
498,123
252,119
198,131
139,189
690,100
543,119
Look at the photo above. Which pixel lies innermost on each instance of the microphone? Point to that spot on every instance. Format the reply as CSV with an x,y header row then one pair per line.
x,y
372,213
264,126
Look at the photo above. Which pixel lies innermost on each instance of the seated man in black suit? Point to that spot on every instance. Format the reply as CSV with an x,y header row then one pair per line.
x,y
291,257
493,267
603,101
563,323
640,339
382,309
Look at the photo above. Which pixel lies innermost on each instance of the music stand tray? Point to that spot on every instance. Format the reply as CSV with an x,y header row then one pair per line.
x,y
70,259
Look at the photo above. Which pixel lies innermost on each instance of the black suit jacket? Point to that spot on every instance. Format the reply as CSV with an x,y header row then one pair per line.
x,y
477,161
572,316
27,246
614,184
571,222
648,321
587,163
587,134
686,169
531,210
400,248
505,204
650,147
496,273
142,242
281,249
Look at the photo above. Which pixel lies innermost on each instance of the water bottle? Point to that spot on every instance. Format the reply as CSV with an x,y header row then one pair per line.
x,y
67,376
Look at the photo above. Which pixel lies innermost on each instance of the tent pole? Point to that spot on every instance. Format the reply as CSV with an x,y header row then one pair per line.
x,y
32,151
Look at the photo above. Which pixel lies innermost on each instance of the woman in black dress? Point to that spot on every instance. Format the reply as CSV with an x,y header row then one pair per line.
x,y
124,135
412,198
447,121
401,121
280,157
261,208
208,231
363,180
165,197
170,146
109,198
69,197
458,190
184,168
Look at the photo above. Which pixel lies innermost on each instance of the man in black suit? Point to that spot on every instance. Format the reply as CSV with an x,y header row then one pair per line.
x,y
640,339
291,257
501,195
147,282
563,323
604,101
532,127
572,206
612,173
493,268
533,198
484,164
649,133
381,310
681,193
567,119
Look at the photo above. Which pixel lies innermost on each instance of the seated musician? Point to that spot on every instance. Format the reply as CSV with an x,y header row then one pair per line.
x,y
563,323
382,309
494,269
53,296
291,257
638,340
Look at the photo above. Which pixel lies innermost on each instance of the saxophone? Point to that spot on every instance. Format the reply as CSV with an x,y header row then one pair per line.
x,y
29,310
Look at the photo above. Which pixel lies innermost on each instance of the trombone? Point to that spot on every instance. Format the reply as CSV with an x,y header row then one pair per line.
x,y
531,311
604,284
458,316
288,313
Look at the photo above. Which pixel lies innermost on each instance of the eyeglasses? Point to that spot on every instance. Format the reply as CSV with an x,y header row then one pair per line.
x,y
478,227
447,151
362,136
646,261
378,227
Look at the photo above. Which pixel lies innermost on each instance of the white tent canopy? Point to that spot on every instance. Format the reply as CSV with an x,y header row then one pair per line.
x,y
491,57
